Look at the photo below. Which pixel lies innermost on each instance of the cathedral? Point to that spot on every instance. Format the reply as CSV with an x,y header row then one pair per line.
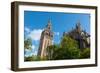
x,y
81,36
45,40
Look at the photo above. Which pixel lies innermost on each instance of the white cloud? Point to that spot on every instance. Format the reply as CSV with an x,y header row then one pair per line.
x,y
35,34
27,29
52,41
34,50
56,33
35,53
33,46
27,50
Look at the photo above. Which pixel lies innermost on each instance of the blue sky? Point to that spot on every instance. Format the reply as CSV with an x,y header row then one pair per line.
x,y
35,22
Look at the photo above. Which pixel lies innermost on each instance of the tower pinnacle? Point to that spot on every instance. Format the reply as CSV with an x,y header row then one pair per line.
x,y
49,25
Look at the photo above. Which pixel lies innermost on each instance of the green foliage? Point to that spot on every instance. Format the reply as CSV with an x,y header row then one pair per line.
x,y
68,42
51,51
28,46
32,58
68,49
43,58
28,43
85,53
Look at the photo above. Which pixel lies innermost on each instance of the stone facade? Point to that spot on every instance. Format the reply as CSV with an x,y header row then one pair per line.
x,y
45,40
81,36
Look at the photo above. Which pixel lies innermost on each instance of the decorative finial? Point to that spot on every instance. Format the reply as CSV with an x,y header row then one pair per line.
x,y
78,25
49,24
49,21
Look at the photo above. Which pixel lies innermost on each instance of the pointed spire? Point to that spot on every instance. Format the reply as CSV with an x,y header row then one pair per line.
x,y
49,24
78,25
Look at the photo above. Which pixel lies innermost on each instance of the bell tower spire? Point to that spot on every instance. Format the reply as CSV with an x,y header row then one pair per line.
x,y
49,25
45,40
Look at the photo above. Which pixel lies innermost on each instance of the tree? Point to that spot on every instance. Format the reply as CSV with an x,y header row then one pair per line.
x,y
51,51
27,46
85,53
68,42
68,49
28,43
32,58
66,53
